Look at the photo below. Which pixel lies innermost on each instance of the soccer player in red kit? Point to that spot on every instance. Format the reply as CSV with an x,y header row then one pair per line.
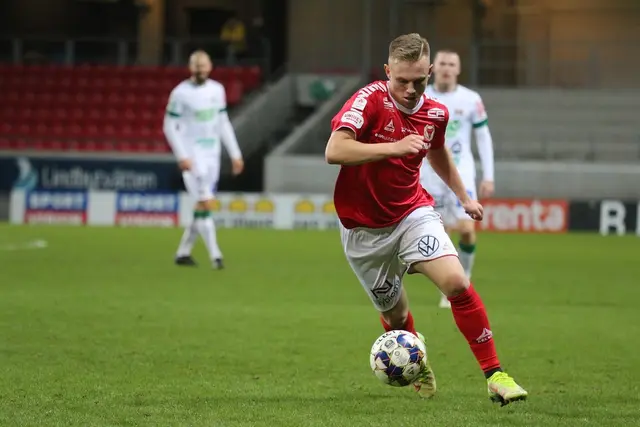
x,y
388,224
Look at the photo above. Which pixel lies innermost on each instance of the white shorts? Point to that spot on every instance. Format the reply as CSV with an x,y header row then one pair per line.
x,y
447,203
380,257
201,183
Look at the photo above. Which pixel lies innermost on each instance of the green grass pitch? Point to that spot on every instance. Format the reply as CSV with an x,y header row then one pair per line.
x,y
101,329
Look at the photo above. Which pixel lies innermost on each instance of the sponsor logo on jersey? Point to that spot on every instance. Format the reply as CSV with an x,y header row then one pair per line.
x,y
385,137
146,209
436,114
56,207
429,131
354,118
528,216
359,103
428,245
385,293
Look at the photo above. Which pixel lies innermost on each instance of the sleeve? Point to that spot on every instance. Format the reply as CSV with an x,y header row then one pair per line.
x,y
227,134
171,125
479,113
434,134
483,139
357,115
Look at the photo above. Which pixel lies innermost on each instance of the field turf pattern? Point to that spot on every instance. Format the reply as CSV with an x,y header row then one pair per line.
x,y
101,329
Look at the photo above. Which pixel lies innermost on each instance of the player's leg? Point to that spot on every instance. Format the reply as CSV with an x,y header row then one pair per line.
x,y
427,248
450,222
466,228
190,234
467,244
373,257
205,223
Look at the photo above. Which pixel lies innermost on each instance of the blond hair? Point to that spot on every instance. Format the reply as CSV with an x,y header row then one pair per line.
x,y
408,47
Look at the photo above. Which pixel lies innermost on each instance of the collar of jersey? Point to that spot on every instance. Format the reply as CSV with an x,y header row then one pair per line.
x,y
405,109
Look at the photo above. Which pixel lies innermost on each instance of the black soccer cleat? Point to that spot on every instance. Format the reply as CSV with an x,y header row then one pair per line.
x,y
186,261
218,264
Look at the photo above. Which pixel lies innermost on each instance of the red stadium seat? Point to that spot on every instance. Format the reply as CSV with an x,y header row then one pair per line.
x,y
234,92
5,143
97,107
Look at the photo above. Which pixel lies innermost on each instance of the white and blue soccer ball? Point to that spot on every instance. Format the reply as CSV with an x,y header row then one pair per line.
x,y
397,357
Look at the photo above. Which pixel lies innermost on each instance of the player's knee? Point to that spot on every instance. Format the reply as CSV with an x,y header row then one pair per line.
x,y
468,234
455,284
204,205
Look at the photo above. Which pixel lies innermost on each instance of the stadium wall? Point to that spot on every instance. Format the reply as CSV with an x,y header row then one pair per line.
x,y
542,42
292,173
302,211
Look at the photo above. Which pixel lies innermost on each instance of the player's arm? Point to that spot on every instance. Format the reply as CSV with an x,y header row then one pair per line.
x,y
485,148
171,128
350,126
228,136
442,162
344,149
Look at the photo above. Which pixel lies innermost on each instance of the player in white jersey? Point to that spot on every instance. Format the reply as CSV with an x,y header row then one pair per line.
x,y
467,115
195,124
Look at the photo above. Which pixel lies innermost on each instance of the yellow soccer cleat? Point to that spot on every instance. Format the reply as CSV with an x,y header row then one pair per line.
x,y
502,388
425,385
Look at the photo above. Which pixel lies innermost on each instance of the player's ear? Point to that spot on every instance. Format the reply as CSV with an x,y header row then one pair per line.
x,y
387,71
430,71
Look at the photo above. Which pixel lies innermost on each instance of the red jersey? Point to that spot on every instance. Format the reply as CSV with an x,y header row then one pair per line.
x,y
382,193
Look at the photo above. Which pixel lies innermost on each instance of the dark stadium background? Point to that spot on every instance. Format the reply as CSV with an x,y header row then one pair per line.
x,y
99,328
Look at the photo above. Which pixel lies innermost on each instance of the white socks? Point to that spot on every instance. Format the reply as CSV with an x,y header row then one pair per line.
x,y
207,229
204,226
188,239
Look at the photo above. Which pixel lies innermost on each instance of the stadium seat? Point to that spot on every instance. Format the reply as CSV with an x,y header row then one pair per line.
x,y
97,107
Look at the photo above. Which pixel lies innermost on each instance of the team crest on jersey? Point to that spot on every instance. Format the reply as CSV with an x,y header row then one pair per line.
x,y
429,131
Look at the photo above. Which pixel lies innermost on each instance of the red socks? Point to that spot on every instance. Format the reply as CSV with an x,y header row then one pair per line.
x,y
408,325
471,318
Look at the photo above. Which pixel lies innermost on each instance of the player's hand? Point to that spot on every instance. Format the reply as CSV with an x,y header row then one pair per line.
x,y
237,166
184,164
486,189
410,144
474,209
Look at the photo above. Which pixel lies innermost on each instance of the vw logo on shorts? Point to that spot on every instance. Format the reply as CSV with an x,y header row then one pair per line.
x,y
428,245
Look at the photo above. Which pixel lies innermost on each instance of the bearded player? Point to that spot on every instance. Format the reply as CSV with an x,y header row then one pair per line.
x,y
195,124
388,225
467,115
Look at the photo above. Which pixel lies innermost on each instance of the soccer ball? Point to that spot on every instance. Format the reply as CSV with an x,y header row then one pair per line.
x,y
397,357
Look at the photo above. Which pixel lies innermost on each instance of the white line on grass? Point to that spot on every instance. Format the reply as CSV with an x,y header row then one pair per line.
x,y
33,244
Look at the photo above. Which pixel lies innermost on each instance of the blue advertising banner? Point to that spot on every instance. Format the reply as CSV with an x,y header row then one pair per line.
x,y
147,209
56,207
67,173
